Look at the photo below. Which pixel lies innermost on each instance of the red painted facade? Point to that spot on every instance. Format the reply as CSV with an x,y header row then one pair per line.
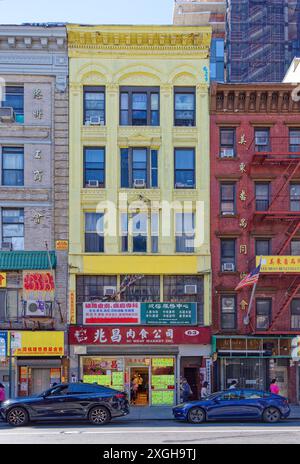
x,y
247,108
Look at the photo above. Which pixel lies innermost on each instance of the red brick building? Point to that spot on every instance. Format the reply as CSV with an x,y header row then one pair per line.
x,y
255,211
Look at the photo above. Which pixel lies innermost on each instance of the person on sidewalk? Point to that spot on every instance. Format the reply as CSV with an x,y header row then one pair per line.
x,y
186,390
274,389
2,393
204,391
233,385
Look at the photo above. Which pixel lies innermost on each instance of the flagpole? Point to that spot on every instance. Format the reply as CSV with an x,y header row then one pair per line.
x,y
247,317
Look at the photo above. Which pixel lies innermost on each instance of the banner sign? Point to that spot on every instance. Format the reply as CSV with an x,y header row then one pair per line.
x,y
140,313
38,284
3,344
143,335
40,344
72,313
279,264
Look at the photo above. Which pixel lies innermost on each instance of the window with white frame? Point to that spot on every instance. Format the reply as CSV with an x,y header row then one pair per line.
x,y
139,232
13,228
185,232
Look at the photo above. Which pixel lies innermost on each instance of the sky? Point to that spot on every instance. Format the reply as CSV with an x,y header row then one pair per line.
x,y
87,11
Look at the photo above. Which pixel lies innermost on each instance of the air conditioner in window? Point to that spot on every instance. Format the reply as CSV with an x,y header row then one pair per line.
x,y
6,246
93,184
139,183
227,153
228,303
190,289
38,308
110,291
228,267
7,114
95,121
228,213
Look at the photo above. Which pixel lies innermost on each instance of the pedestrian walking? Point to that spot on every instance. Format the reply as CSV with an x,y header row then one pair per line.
x,y
186,390
233,385
204,391
2,393
274,387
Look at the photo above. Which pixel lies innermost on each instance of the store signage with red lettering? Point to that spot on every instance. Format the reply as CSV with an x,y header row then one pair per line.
x,y
111,313
143,335
38,282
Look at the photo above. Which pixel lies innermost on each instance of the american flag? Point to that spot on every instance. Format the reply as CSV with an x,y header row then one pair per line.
x,y
250,280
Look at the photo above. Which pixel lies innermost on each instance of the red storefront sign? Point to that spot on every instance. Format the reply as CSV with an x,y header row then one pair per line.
x,y
139,335
38,282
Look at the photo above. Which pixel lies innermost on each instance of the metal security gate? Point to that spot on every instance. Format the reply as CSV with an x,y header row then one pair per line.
x,y
249,373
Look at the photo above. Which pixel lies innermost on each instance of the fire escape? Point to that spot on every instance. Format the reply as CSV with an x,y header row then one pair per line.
x,y
284,161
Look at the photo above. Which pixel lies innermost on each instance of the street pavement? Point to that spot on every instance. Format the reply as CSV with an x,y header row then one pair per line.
x,y
150,432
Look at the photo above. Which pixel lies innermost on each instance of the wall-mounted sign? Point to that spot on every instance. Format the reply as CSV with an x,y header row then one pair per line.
x,y
72,308
40,344
62,245
2,279
3,344
38,283
279,264
295,348
126,313
139,335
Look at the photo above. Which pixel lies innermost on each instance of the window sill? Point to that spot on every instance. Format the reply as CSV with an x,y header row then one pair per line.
x,y
232,274
234,158
228,216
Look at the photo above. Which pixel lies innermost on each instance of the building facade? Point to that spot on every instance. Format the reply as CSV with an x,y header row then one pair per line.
x,y
206,13
33,204
139,195
255,147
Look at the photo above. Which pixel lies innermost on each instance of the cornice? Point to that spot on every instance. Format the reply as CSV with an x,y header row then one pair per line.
x,y
166,39
33,38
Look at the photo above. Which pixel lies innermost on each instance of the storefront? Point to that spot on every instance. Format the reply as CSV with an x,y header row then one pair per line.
x,y
254,362
147,362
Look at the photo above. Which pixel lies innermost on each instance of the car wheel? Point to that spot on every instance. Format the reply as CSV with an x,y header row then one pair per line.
x,y
99,416
271,415
17,417
196,416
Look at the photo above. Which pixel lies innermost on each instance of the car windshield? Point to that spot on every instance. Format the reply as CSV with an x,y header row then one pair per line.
x,y
212,397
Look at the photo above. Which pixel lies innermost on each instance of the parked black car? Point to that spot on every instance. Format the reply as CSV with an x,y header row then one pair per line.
x,y
74,401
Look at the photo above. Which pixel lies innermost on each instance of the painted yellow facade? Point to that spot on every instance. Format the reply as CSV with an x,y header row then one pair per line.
x,y
154,56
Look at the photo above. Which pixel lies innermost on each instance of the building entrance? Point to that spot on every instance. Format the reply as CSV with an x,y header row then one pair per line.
x,y
139,392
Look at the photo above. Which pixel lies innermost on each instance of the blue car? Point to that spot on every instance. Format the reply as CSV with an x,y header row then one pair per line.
x,y
235,405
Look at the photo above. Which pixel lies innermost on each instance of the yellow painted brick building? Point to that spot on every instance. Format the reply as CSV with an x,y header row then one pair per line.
x,y
139,136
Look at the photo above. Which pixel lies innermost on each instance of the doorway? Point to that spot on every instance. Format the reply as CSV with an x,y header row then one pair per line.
x,y
139,390
191,375
40,380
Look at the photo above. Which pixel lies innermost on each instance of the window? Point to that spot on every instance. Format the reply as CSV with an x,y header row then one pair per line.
x,y
13,228
185,232
94,105
233,395
145,290
139,106
12,166
295,197
14,98
184,168
263,314
294,140
262,194
139,168
94,233
175,292
227,143
252,395
228,199
295,247
185,106
9,305
295,314
263,247
91,288
262,140
228,312
228,255
94,167
142,227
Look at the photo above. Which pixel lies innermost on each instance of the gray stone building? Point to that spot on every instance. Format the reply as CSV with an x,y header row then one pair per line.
x,y
33,206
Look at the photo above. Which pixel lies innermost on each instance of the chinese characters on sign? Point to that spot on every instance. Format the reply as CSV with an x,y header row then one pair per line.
x,y
278,264
111,313
40,344
38,282
3,344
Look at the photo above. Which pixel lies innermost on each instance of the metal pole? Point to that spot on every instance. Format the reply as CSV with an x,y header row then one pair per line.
x,y
10,367
247,317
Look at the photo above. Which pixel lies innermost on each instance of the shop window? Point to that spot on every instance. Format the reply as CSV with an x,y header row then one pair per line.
x,y
185,232
262,140
184,168
94,233
228,312
139,106
228,255
139,168
94,105
295,314
263,247
13,229
228,207
262,196
186,289
295,197
185,106
145,290
227,143
94,167
263,314
92,288
13,166
14,98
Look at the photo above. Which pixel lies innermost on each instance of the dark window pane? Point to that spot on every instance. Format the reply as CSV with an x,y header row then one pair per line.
x,y
228,312
295,197
94,167
262,247
145,290
184,168
295,247
185,107
263,314
124,168
94,105
262,197
154,168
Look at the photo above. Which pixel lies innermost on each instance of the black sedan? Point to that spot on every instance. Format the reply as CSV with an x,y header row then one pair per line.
x,y
74,401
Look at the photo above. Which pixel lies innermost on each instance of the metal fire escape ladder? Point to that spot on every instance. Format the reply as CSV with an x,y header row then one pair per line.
x,y
291,232
294,289
288,175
